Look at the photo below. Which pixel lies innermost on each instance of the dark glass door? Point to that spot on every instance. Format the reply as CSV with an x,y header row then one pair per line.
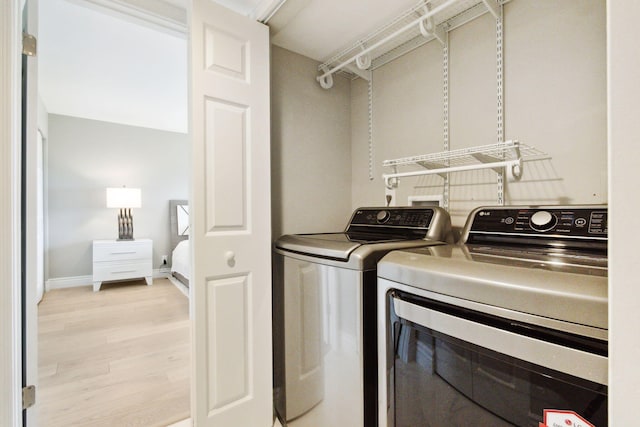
x,y
438,380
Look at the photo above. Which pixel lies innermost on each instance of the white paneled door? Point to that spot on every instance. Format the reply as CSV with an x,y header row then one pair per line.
x,y
231,238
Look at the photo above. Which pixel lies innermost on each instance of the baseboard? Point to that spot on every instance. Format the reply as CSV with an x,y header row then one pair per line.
x,y
78,281
161,273
181,287
67,282
184,423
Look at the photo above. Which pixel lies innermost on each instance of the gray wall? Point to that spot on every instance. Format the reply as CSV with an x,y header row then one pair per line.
x,y
87,156
555,101
310,148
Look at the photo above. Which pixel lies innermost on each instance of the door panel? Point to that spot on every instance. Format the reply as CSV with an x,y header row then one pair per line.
x,y
226,53
226,165
229,364
230,202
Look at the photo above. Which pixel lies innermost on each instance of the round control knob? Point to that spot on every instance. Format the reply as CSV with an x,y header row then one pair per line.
x,y
543,221
383,216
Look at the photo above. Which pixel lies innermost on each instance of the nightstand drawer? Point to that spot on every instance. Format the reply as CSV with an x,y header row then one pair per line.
x,y
121,251
121,270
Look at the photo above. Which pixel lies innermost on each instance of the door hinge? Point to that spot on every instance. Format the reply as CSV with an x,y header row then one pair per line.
x,y
28,396
29,45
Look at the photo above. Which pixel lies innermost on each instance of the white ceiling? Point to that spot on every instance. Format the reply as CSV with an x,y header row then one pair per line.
x,y
98,66
98,63
319,28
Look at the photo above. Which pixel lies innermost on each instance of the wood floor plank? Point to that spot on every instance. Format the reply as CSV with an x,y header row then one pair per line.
x,y
118,357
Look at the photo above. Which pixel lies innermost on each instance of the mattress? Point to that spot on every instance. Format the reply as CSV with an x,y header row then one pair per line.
x,y
180,260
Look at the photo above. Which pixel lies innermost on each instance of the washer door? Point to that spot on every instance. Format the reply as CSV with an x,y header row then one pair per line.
x,y
452,366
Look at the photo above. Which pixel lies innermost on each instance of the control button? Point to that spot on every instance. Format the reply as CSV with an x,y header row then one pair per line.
x,y
543,221
509,220
581,222
383,216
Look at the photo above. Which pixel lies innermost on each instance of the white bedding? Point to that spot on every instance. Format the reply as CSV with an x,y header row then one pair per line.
x,y
180,262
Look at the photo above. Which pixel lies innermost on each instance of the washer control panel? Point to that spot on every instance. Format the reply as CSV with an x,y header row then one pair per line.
x,y
566,221
393,217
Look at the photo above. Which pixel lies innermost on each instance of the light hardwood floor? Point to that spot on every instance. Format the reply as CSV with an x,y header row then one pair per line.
x,y
118,357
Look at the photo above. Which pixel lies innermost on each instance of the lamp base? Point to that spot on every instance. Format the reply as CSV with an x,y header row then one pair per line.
x,y
125,225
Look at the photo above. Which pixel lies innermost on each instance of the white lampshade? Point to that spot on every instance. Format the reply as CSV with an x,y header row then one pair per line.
x,y
124,197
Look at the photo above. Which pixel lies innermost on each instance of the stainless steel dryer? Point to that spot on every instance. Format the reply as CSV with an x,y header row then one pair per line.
x,y
508,328
325,352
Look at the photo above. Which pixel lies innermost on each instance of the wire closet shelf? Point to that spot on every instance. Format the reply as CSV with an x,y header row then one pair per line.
x,y
508,155
426,21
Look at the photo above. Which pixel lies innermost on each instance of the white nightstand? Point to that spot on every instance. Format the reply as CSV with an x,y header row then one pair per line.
x,y
121,260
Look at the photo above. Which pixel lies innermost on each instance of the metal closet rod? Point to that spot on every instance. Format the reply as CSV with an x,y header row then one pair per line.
x,y
379,43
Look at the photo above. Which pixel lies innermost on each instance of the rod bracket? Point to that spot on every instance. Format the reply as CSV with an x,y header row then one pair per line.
x,y
427,27
391,182
325,80
363,61
514,170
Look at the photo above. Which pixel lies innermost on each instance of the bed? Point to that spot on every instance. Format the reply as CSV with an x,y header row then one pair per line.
x,y
181,254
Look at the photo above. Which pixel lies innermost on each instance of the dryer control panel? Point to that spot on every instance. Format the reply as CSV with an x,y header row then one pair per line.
x,y
393,217
560,223
401,223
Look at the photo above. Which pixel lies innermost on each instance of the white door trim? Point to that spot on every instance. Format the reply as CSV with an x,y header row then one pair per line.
x,y
10,129
30,195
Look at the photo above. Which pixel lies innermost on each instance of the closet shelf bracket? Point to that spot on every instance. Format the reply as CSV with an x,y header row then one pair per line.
x,y
494,8
363,74
508,156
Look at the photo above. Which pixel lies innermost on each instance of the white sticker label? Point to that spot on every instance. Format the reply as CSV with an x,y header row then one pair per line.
x,y
558,418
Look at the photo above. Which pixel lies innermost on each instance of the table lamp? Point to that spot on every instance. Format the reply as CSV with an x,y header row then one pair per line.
x,y
124,199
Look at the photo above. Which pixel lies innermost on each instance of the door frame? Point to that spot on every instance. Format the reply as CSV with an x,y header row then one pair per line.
x,y
10,192
30,228
10,290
